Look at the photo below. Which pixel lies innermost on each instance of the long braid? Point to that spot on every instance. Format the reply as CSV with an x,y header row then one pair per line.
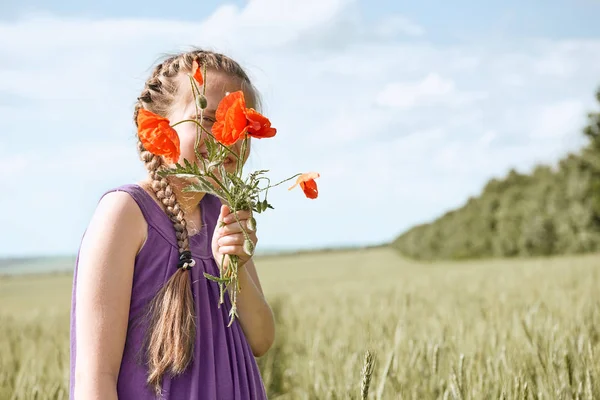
x,y
157,88
172,326
164,193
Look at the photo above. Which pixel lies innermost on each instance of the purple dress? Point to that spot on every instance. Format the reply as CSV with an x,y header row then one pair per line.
x,y
223,366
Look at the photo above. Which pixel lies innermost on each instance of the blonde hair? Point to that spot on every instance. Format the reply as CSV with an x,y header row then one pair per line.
x,y
171,332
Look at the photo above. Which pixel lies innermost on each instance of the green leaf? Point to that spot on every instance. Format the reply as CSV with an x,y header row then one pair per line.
x,y
184,175
205,187
215,278
189,169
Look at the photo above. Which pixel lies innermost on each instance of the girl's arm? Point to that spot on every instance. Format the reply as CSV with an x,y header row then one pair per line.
x,y
105,273
256,317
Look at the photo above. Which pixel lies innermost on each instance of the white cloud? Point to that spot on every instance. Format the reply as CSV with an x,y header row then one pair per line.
x,y
410,94
488,138
431,90
398,24
353,124
291,14
403,123
558,120
12,165
556,66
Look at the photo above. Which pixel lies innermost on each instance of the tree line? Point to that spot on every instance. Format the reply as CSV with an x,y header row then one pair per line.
x,y
552,210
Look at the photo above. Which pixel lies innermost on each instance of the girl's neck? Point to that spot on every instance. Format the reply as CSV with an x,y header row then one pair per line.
x,y
188,201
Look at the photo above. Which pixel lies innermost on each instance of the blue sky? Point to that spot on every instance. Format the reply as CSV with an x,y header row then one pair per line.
x,y
406,108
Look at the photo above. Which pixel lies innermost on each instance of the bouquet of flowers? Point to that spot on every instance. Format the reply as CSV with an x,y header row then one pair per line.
x,y
234,122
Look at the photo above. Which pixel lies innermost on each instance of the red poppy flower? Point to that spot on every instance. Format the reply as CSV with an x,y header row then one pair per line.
x,y
157,135
234,121
308,184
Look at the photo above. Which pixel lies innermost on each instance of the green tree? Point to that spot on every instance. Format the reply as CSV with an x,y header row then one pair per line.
x,y
550,211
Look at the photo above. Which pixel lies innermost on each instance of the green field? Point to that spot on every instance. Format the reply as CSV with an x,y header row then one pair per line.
x,y
495,329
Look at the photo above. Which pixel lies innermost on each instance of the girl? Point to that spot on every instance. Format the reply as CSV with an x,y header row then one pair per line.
x,y
143,323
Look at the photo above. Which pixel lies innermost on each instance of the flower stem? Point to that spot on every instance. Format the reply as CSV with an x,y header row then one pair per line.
x,y
279,183
196,91
240,163
227,193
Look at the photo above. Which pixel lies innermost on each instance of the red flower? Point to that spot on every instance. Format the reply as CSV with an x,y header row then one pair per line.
x,y
157,135
308,184
197,73
234,121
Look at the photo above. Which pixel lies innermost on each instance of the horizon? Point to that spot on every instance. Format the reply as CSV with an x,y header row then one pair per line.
x,y
259,252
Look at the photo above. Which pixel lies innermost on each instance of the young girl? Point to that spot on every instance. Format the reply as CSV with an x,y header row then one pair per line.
x,y
145,322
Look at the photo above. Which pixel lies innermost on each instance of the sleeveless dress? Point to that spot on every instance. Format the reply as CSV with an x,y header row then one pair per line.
x,y
223,366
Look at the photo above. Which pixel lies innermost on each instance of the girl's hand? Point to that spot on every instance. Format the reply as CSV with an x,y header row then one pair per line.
x,y
229,238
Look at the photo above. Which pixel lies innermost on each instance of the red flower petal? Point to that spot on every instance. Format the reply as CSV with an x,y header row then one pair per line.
x,y
259,125
310,189
235,124
157,135
217,130
227,102
197,73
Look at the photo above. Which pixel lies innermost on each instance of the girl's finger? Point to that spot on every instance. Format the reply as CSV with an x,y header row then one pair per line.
x,y
233,239
224,214
241,215
234,227
233,251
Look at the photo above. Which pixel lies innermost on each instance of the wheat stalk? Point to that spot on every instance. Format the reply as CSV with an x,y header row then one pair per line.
x,y
367,372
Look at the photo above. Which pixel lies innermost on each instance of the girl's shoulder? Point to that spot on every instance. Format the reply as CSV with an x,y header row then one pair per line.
x,y
152,215
119,211
135,195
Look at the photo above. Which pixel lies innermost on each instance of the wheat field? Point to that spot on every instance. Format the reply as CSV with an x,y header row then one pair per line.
x,y
499,329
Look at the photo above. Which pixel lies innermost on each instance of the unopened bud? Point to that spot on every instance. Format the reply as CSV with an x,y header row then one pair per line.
x,y
248,247
201,101
251,224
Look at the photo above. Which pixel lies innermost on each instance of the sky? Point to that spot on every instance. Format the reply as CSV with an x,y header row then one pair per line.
x,y
405,108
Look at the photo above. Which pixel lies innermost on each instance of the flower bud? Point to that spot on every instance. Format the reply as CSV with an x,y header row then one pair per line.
x,y
201,101
248,247
251,224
